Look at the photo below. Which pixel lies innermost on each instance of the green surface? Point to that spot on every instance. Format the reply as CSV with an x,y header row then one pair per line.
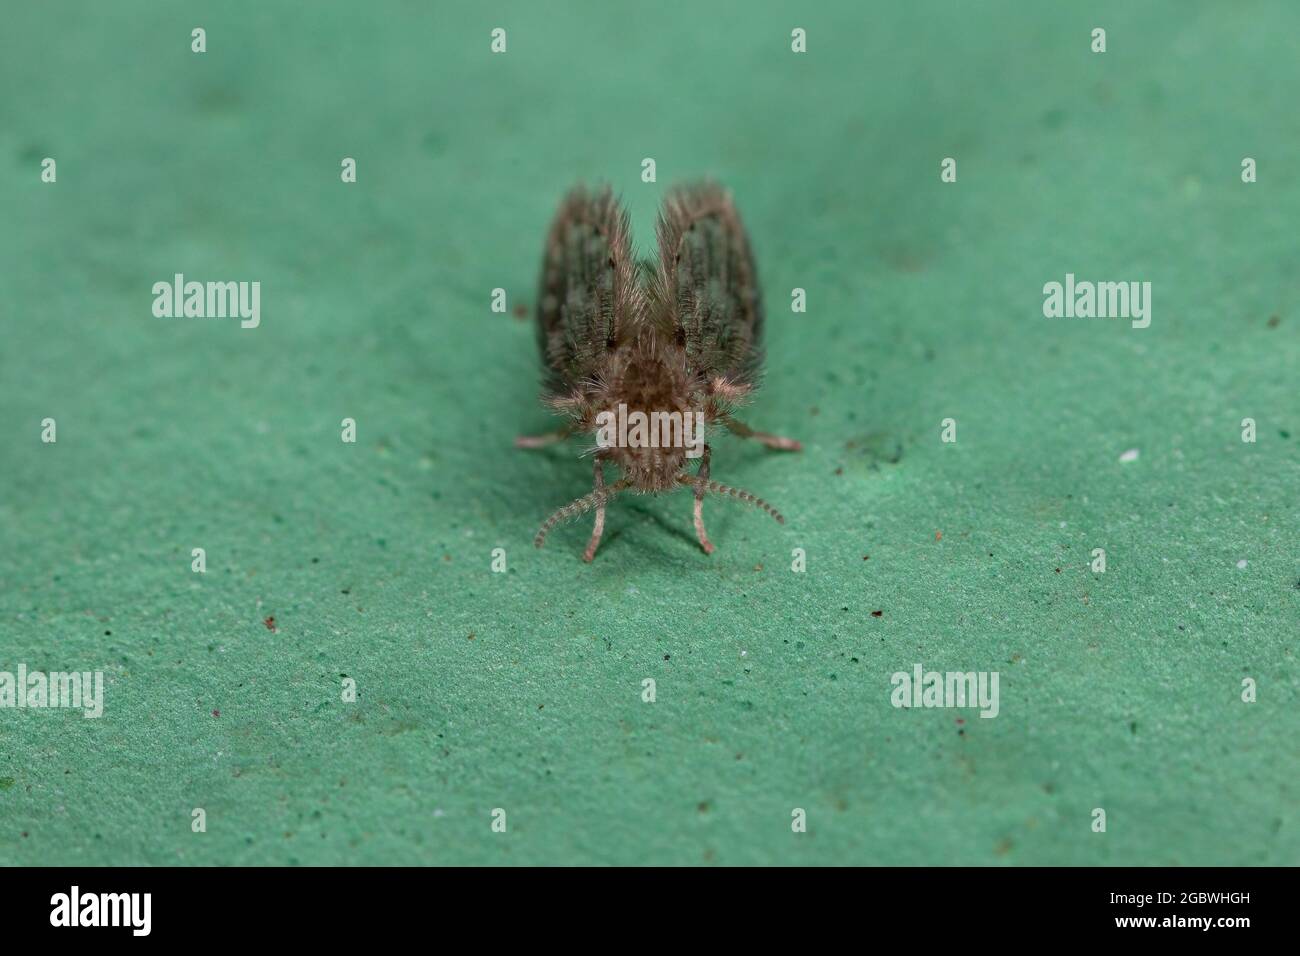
x,y
523,690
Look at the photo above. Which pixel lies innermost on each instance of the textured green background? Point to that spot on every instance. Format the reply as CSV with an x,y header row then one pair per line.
x,y
522,690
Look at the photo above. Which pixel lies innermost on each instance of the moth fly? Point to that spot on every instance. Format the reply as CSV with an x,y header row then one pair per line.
x,y
661,345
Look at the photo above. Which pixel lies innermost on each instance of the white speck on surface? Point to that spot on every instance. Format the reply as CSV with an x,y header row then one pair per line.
x,y
1130,455
439,813
744,653
1241,563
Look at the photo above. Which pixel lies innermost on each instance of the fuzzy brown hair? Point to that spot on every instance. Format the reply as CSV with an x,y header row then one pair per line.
x,y
682,334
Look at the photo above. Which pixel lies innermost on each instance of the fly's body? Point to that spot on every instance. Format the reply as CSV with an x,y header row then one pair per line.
x,y
659,344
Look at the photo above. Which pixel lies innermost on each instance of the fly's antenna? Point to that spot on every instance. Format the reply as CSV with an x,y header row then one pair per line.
x,y
738,493
596,499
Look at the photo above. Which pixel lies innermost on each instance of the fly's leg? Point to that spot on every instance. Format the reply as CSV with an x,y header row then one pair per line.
x,y
599,528
771,441
701,477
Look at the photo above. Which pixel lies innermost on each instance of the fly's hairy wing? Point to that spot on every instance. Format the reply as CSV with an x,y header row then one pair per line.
x,y
705,297
589,300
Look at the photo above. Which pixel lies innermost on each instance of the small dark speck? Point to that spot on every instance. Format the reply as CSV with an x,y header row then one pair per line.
x,y
666,656
315,560
270,623
866,557
703,807
1058,570
108,633
1054,118
839,471
1274,321
216,713
346,591
877,613
520,310
434,142
218,100
1133,727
